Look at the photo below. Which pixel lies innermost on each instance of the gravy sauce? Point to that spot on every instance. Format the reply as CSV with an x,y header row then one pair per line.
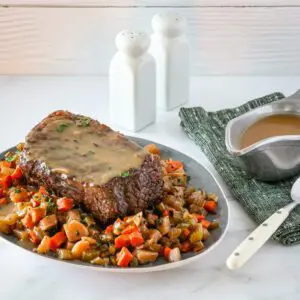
x,y
275,125
82,153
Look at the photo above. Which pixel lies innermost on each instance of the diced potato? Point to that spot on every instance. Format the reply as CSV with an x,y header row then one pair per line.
x,y
174,233
70,245
206,234
154,235
4,227
99,261
164,225
73,214
151,218
145,256
197,247
196,198
213,197
152,246
75,231
197,234
44,246
137,219
9,219
90,254
89,240
64,254
48,222
112,250
173,202
174,255
39,232
189,191
20,234
79,248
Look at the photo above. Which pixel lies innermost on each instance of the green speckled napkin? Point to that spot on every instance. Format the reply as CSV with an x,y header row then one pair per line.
x,y
259,199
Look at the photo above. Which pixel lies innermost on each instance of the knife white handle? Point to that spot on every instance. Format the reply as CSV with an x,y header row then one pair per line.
x,y
257,238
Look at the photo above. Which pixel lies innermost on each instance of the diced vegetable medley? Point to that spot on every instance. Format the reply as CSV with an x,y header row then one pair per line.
x,y
52,224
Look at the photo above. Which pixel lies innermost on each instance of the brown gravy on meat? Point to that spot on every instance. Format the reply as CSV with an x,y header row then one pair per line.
x,y
76,150
275,125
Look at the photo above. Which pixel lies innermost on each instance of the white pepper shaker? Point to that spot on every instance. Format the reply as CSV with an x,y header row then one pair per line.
x,y
132,82
170,48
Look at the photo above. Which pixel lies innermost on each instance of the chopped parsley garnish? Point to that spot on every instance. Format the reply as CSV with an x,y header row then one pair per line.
x,y
84,122
17,191
99,244
11,158
188,179
77,233
125,174
62,127
50,206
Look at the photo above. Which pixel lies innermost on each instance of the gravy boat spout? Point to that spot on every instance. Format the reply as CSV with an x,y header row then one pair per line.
x,y
273,158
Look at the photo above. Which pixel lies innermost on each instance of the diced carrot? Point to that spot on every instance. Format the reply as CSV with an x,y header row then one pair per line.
x,y
122,241
57,240
33,237
75,230
43,191
18,195
136,239
186,232
6,171
109,229
152,149
6,181
205,223
17,174
64,204
5,164
27,221
185,246
174,165
3,201
38,214
200,218
129,229
44,246
124,257
167,251
210,206
166,212
79,248
48,222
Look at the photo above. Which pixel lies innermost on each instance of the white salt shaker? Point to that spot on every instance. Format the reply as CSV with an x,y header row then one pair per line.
x,y
132,82
170,48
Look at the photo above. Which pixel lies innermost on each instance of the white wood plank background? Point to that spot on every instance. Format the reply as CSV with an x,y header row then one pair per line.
x,y
226,40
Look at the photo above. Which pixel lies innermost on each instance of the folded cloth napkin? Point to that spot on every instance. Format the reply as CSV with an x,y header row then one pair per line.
x,y
259,199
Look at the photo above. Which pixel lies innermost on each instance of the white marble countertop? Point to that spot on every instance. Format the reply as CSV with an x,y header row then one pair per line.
x,y
272,274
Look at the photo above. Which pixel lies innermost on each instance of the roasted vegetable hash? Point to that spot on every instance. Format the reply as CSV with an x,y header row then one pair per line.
x,y
52,224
